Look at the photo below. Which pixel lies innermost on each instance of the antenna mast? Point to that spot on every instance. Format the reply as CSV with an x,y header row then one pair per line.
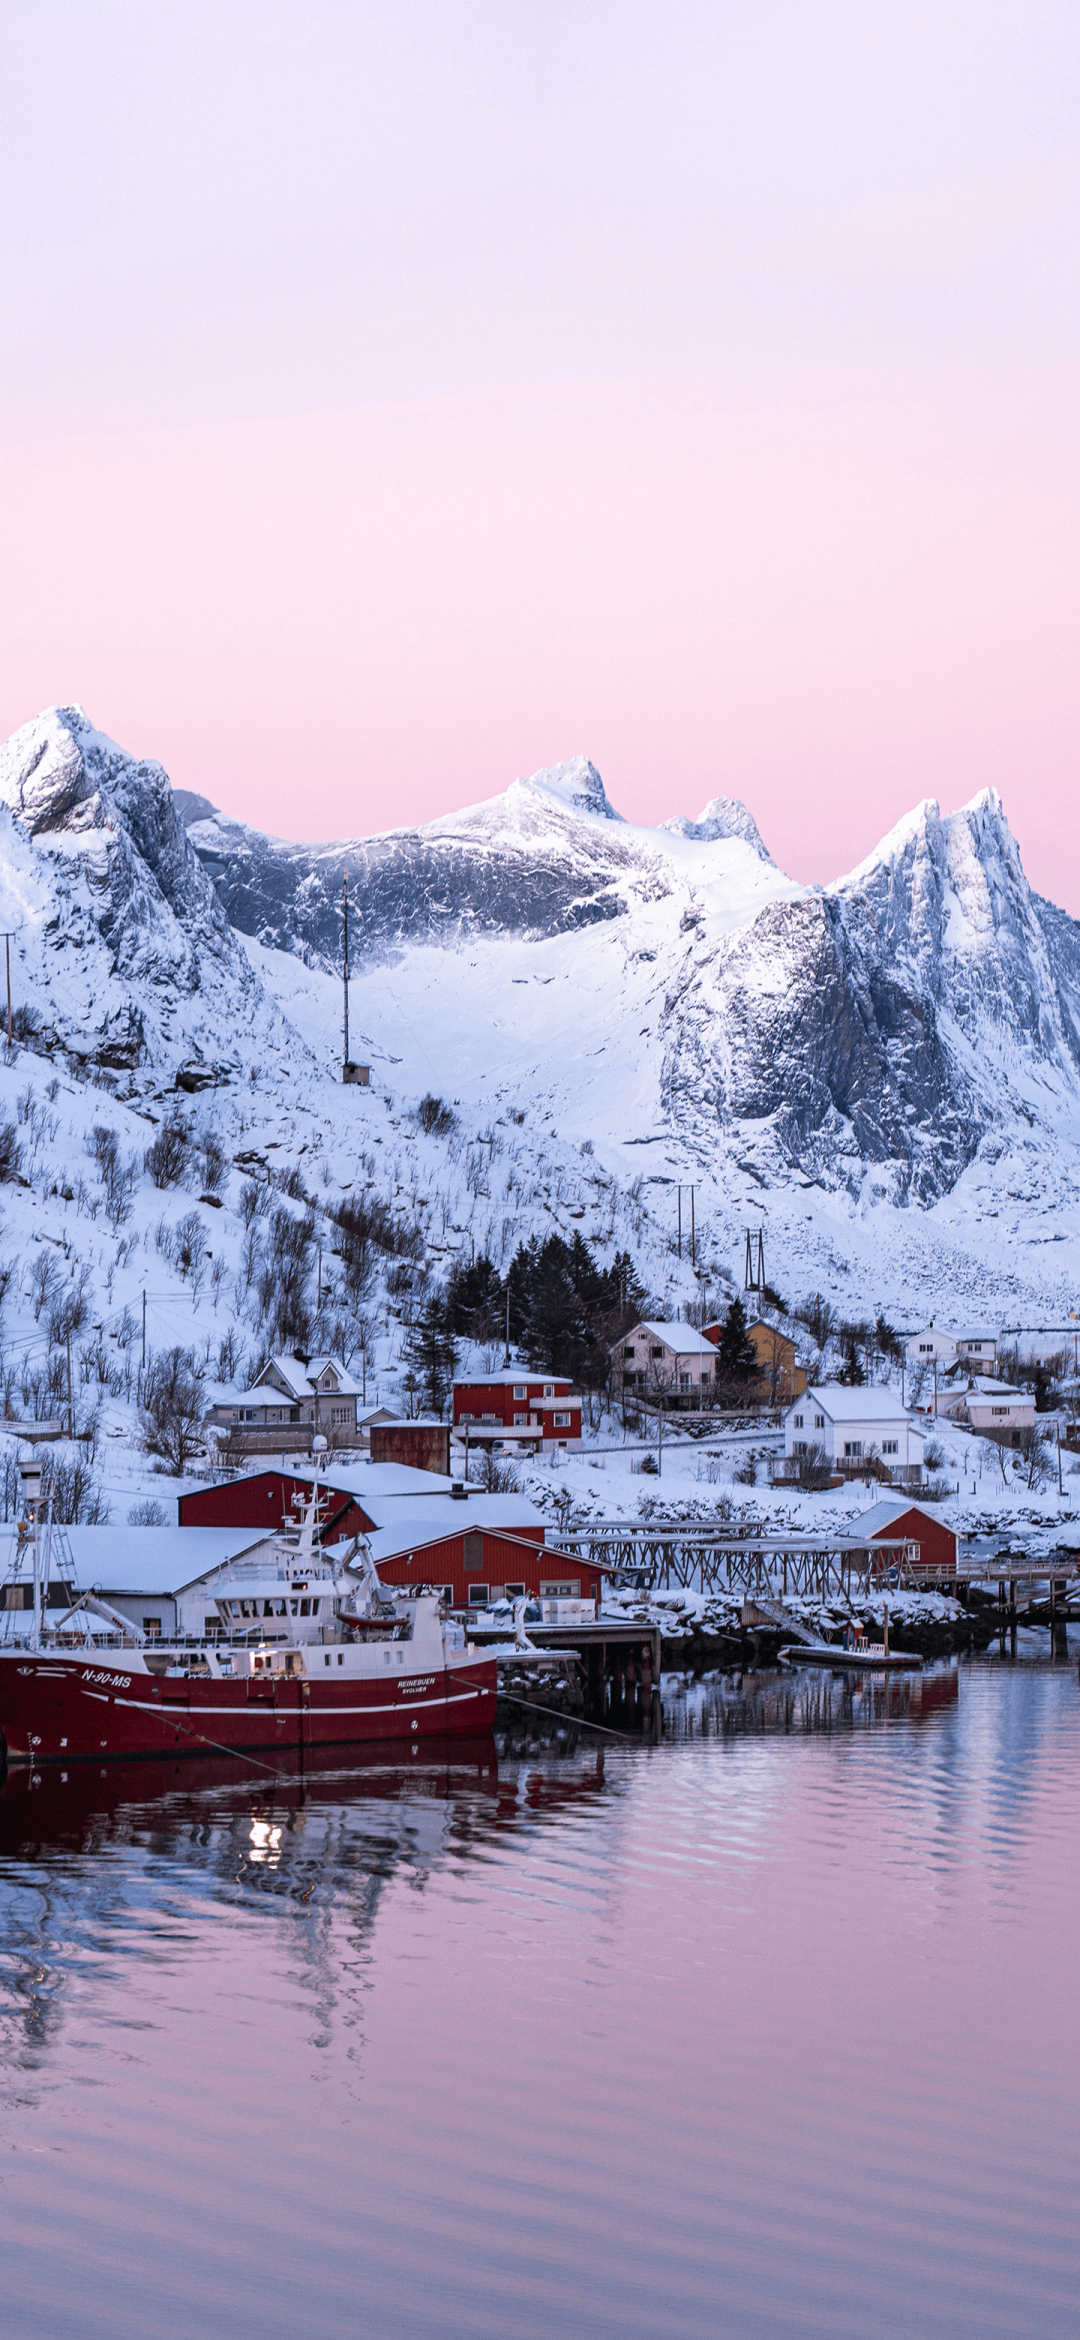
x,y
345,967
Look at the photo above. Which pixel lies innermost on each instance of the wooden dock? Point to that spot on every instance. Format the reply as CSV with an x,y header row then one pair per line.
x,y
666,1555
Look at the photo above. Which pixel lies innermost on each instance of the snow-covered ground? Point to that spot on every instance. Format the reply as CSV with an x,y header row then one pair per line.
x,y
581,1067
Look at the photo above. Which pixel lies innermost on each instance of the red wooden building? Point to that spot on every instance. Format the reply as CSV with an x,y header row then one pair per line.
x,y
898,1521
518,1408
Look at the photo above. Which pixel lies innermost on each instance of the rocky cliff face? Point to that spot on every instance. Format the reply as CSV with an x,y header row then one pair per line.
x,y
125,943
890,1020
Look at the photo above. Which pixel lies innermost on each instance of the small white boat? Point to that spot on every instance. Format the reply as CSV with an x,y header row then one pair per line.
x,y
866,1657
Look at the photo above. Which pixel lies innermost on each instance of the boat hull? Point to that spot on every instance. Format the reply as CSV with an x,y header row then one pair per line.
x,y
68,1709
851,1661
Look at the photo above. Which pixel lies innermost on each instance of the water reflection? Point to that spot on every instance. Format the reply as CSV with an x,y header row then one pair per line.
x,y
767,2029
804,1700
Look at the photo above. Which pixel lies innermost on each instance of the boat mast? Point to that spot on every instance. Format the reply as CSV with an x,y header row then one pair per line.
x,y
30,1473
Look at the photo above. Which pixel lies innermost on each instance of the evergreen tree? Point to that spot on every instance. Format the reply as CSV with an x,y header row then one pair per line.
x,y
475,1301
736,1357
851,1372
431,1351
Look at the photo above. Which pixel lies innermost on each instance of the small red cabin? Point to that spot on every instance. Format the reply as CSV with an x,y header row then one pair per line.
x,y
901,1521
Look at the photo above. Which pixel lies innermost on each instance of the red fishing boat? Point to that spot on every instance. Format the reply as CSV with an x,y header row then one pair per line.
x,y
358,1664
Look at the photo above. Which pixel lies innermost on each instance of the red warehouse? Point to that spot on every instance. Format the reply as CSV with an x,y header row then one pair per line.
x,y
265,1499
496,1551
517,1408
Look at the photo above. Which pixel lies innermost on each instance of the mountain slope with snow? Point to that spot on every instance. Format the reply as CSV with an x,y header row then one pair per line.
x,y
884,1073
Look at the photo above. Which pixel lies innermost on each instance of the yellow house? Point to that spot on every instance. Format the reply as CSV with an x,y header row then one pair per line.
x,y
780,1376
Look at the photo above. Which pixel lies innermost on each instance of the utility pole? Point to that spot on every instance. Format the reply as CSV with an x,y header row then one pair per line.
x,y
71,1402
345,961
693,1237
506,1359
680,1222
144,1329
7,960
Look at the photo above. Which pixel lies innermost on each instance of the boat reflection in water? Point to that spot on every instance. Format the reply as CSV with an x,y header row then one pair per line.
x,y
790,1699
454,1781
89,1805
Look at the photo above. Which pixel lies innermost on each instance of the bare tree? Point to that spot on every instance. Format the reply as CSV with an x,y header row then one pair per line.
x,y
173,1406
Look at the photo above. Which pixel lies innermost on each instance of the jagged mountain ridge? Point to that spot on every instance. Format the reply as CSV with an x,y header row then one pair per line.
x,y
894,1018
122,941
666,1001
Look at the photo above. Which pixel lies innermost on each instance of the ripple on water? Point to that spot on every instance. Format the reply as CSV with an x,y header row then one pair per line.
x,y
768,2029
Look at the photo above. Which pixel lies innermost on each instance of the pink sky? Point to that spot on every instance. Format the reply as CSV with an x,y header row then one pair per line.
x,y
396,401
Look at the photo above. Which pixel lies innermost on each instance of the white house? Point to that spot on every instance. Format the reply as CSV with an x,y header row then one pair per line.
x,y
668,1361
994,1408
979,1345
855,1426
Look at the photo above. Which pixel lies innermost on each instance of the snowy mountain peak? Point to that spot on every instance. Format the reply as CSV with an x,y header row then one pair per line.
x,y
122,943
576,786
723,816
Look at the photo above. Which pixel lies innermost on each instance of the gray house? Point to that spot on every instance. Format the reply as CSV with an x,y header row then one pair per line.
x,y
314,1394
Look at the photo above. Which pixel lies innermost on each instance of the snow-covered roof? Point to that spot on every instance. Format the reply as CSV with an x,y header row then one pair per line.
x,y
871,1404
366,1480
681,1339
506,1374
882,1515
982,1386
301,1379
155,1560
408,1530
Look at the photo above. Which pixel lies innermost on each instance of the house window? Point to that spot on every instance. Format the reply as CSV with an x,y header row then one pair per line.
x,y
569,1590
853,1448
549,1389
976,1346
515,1592
656,1352
799,1446
798,1421
629,1356
819,1421
890,1446
478,1596
999,1409
684,1381
561,1421
519,1419
519,1389
152,1628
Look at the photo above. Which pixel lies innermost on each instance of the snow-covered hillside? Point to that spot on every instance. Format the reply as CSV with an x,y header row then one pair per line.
x,y
883,1075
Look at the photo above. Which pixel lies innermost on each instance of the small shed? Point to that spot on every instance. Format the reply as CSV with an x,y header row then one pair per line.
x,y
424,1446
887,1522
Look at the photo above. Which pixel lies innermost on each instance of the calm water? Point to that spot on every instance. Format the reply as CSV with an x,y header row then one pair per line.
x,y
769,2030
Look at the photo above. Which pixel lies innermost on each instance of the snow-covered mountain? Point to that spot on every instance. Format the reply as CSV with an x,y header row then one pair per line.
x,y
880,1036
884,1073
